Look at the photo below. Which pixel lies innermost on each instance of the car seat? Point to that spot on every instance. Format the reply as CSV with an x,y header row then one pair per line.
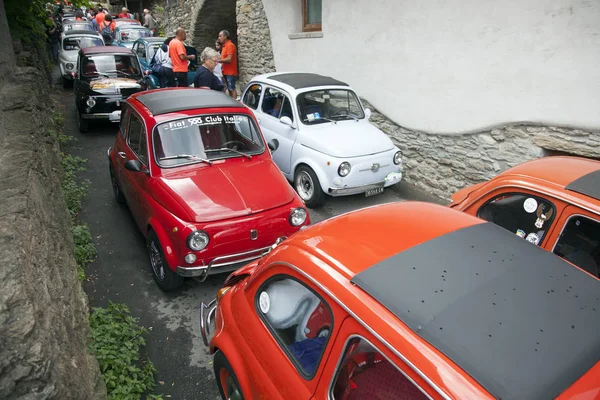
x,y
268,104
90,68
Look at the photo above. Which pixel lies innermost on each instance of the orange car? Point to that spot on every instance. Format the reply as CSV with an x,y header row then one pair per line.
x,y
406,301
552,202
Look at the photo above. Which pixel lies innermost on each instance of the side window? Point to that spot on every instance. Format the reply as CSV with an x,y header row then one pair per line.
x,y
300,321
123,124
252,96
579,243
277,104
529,217
137,138
364,373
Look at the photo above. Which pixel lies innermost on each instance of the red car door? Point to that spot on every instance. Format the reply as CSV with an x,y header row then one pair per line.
x,y
135,183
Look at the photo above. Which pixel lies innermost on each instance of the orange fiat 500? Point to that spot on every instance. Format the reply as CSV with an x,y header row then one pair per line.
x,y
406,301
552,202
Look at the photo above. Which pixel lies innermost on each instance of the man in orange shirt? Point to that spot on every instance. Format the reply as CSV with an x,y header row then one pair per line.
x,y
179,58
229,61
100,16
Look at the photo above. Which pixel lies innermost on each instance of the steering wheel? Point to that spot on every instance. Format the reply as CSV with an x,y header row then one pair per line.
x,y
235,144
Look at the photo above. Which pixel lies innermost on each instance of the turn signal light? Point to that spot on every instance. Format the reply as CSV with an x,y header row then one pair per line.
x,y
222,291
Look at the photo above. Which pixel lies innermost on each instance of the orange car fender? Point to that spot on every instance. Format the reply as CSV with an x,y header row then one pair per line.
x,y
165,242
221,341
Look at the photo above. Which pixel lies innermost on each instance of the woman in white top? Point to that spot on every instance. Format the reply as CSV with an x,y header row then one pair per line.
x,y
219,68
165,67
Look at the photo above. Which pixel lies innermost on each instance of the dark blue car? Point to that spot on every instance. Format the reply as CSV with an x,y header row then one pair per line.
x,y
144,49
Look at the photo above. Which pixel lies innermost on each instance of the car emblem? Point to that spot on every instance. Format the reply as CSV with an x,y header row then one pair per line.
x,y
375,167
253,234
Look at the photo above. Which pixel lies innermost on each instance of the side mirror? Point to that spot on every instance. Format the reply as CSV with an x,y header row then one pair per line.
x,y
287,121
134,165
368,113
273,144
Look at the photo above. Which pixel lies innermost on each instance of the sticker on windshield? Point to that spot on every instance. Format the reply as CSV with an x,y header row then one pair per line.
x,y
533,238
530,205
313,116
264,302
203,121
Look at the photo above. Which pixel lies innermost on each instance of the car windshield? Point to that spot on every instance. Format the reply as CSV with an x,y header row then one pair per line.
x,y
328,105
206,137
129,35
79,26
76,43
122,65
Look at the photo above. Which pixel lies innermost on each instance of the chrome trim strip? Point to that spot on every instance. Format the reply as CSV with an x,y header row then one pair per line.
x,y
356,189
205,321
95,116
360,321
337,368
565,225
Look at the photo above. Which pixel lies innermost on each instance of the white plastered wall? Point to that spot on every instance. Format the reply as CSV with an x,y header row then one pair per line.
x,y
455,65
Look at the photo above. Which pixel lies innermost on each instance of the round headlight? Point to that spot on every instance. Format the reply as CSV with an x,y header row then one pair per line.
x,y
344,169
91,102
197,240
297,216
398,158
69,65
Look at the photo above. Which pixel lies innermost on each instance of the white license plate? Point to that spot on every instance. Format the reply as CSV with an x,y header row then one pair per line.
x,y
373,192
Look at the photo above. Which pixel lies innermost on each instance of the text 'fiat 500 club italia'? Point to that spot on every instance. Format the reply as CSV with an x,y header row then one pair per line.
x,y
199,180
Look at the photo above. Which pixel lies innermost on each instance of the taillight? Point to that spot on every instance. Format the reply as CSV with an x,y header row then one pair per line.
x,y
222,291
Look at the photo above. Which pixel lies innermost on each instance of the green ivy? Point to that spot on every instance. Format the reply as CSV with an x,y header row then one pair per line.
x,y
74,192
85,251
116,339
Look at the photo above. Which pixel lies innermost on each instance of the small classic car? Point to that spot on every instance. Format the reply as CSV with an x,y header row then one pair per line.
x,y
105,78
71,43
195,171
552,202
126,21
145,48
127,34
326,143
406,301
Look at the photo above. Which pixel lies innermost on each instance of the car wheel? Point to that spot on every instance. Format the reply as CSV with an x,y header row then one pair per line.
x,y
308,187
66,83
82,123
115,185
166,279
226,380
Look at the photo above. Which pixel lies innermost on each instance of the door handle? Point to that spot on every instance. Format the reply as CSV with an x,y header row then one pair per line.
x,y
122,154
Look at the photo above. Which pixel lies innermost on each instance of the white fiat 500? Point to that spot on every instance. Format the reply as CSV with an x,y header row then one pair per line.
x,y
320,136
71,42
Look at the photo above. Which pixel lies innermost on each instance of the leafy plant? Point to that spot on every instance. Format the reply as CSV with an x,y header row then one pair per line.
x,y
116,339
85,251
73,192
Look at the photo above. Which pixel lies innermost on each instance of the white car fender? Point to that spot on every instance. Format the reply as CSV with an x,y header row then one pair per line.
x,y
316,166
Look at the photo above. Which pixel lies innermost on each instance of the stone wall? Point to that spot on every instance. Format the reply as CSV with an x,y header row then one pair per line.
x,y
213,17
7,58
255,51
44,321
441,164
181,13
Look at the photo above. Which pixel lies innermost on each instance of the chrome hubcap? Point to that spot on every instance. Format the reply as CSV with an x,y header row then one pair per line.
x,y
156,261
233,392
304,185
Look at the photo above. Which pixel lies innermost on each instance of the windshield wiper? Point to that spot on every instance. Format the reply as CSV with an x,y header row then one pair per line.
x,y
344,116
320,118
248,156
187,156
119,72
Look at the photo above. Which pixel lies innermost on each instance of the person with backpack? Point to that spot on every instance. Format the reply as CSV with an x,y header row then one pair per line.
x,y
107,30
162,66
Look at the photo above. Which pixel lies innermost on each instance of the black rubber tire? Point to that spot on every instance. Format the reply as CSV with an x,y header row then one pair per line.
x,y
221,362
170,281
82,124
119,197
318,197
66,83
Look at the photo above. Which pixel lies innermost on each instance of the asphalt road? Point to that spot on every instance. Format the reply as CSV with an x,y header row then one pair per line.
x,y
122,272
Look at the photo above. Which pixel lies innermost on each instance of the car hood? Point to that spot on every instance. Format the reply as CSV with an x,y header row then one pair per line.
x,y
114,85
346,139
68,55
227,189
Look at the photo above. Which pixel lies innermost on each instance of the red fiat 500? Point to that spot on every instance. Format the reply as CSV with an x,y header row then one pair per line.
x,y
193,167
406,301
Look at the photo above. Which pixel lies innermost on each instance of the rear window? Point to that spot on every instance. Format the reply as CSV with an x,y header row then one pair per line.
x,y
129,35
77,43
81,26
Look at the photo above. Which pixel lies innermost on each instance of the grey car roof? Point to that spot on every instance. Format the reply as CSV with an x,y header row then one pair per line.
x,y
304,80
588,185
167,101
521,321
82,33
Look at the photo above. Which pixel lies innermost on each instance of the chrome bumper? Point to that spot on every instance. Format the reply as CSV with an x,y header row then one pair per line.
x,y
224,263
112,117
206,313
390,179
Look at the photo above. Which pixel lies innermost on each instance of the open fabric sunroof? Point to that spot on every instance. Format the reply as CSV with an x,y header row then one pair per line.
x,y
521,321
588,185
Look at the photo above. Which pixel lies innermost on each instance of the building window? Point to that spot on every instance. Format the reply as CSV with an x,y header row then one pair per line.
x,y
311,15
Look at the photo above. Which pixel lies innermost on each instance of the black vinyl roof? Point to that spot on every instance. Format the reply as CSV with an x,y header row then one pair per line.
x,y
167,101
588,184
521,321
298,81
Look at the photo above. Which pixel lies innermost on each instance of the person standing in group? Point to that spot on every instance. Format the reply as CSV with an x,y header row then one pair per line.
x,y
204,77
53,36
124,13
149,21
100,16
78,15
161,64
179,58
218,71
107,30
229,61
